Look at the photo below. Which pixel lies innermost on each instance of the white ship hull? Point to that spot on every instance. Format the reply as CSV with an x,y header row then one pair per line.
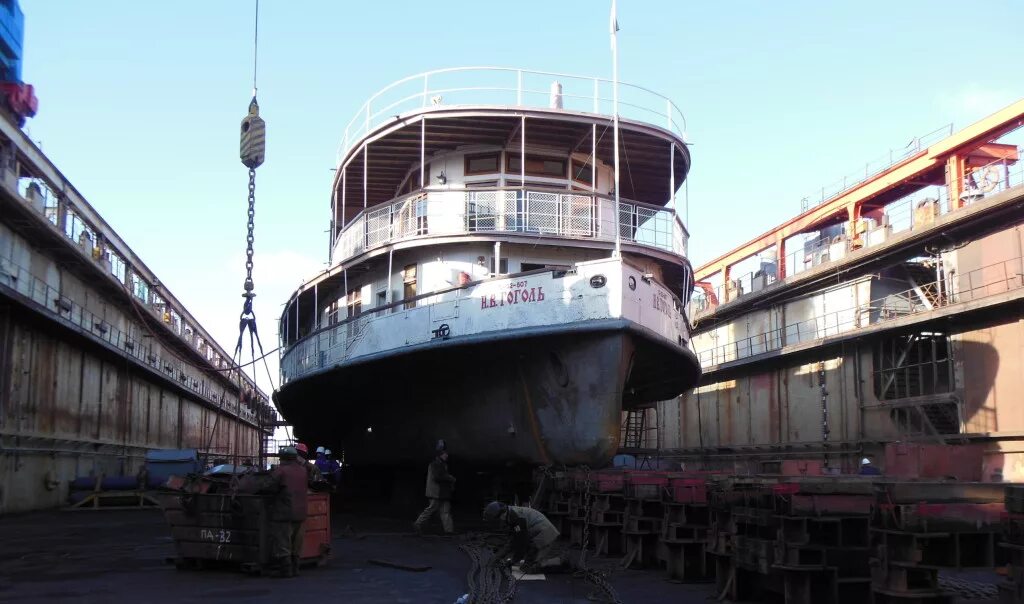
x,y
532,369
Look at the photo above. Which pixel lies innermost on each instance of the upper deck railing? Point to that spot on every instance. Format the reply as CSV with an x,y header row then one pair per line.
x,y
569,215
508,87
43,188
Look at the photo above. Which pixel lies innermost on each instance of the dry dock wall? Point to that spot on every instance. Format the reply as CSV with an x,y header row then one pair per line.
x,y
965,376
98,362
70,406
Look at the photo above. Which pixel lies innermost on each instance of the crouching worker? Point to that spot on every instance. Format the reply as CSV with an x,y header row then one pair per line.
x,y
289,482
531,538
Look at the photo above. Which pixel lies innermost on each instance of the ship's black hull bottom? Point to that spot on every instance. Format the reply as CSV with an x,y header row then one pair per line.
x,y
546,399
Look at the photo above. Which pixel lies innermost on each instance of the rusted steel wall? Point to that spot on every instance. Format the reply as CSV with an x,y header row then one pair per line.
x,y
67,412
70,406
779,408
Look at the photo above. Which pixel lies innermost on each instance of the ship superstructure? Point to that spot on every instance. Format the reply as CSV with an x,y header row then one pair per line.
x,y
484,288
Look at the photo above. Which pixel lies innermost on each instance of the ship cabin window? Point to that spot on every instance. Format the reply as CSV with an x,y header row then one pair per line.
x,y
332,313
482,184
382,298
482,163
354,301
409,285
583,172
502,266
552,167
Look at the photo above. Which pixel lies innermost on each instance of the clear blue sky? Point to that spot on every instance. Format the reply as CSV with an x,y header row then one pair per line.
x,y
140,104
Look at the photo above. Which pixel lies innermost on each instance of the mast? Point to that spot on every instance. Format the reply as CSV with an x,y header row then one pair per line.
x,y
614,27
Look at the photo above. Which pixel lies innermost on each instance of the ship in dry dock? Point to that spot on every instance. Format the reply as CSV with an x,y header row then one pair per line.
x,y
489,285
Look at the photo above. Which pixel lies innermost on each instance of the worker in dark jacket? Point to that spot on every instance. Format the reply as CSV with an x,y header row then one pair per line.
x,y
288,511
531,537
440,485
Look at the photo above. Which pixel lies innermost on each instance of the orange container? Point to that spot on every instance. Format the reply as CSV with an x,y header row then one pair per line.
x,y
317,539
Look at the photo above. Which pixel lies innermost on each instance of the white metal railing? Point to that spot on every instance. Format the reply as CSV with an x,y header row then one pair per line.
x,y
977,284
508,86
874,167
60,306
573,215
916,211
44,190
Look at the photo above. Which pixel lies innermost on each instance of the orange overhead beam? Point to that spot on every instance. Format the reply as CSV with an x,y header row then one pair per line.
x,y
958,145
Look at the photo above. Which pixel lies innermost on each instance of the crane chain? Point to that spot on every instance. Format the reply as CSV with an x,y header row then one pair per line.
x,y
249,238
587,502
598,578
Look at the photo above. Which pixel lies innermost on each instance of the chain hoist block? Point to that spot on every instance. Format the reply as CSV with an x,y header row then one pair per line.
x,y
253,138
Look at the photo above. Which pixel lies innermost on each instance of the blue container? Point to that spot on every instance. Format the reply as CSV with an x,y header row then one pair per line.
x,y
12,33
161,464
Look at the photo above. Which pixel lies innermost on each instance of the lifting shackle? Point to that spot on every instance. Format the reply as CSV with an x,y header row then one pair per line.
x,y
253,137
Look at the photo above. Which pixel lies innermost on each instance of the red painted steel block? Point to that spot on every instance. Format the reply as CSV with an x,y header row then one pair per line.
x,y
610,481
645,484
688,490
935,461
802,467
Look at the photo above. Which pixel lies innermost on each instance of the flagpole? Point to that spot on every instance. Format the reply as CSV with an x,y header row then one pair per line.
x,y
614,26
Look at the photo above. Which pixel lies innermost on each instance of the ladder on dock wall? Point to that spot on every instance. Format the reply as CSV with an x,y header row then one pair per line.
x,y
640,428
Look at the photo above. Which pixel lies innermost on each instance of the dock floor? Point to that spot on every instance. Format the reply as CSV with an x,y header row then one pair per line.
x,y
118,556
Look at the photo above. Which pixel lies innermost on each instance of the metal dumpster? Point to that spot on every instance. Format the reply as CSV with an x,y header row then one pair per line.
x,y
233,530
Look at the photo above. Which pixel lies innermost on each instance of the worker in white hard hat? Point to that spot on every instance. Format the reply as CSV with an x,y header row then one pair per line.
x,y
868,469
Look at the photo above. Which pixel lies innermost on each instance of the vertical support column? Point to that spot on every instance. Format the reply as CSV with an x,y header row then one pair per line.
x,y
391,257
955,166
334,228
595,204
521,206
780,256
316,306
853,217
522,153
672,176
423,151
344,188
366,173
282,328
726,273
62,212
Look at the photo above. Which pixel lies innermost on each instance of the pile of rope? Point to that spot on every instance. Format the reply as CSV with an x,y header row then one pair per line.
x,y
489,583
